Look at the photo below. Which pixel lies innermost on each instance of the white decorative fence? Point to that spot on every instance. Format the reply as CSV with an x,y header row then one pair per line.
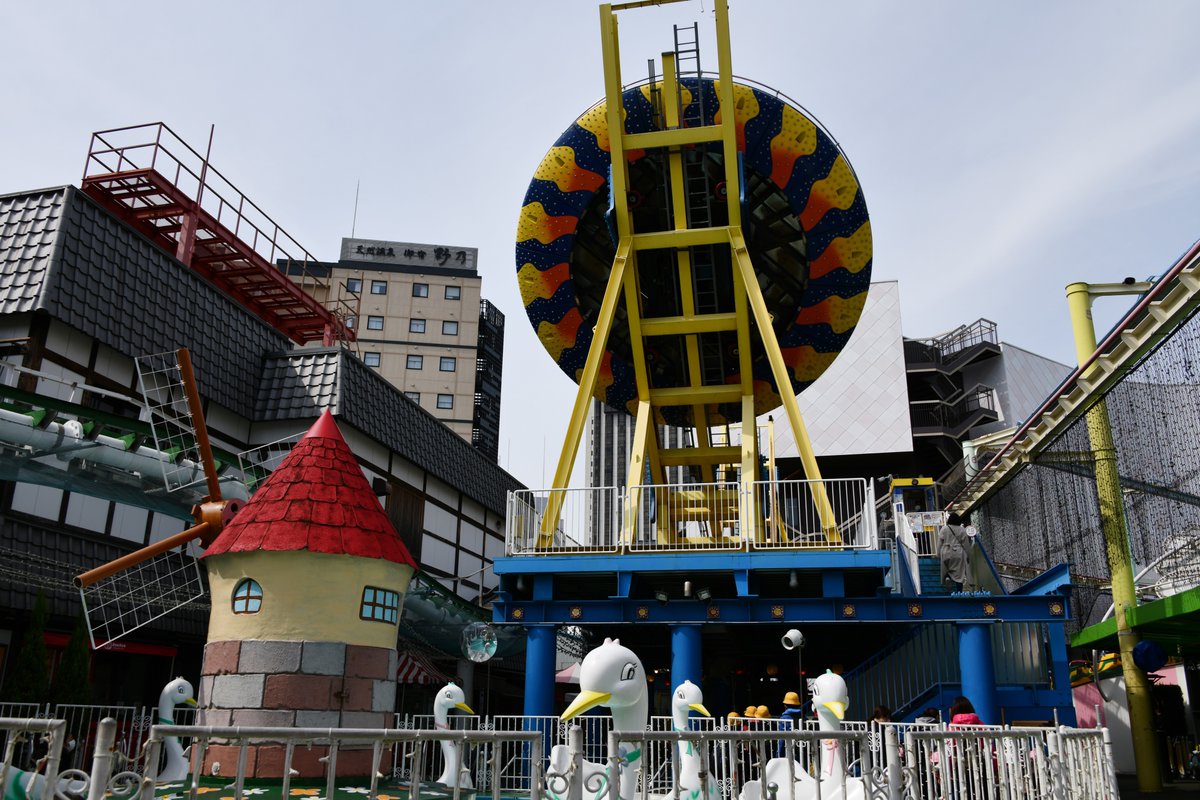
x,y
507,758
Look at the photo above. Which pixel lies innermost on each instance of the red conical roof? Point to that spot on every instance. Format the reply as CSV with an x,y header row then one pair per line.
x,y
317,500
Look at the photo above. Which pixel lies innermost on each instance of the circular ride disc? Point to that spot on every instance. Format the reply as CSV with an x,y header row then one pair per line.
x,y
803,217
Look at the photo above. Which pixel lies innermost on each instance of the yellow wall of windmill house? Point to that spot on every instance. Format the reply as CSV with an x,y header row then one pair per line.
x,y
306,596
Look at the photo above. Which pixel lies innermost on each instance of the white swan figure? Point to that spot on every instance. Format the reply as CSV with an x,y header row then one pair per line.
x,y
612,676
452,774
688,697
830,698
176,692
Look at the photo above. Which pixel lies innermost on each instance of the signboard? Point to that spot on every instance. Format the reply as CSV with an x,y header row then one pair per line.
x,y
410,254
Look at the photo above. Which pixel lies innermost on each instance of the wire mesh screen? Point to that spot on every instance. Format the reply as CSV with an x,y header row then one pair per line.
x,y
1050,511
136,596
170,418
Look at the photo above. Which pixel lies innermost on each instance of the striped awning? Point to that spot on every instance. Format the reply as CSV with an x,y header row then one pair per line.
x,y
413,667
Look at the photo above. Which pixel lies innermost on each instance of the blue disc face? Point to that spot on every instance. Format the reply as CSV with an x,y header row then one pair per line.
x,y
803,217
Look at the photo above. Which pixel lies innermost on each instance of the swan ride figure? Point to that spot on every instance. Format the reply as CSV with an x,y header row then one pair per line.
x,y
178,691
453,775
688,697
611,676
829,698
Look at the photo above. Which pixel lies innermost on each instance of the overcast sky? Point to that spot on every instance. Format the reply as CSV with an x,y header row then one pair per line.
x,y
1005,149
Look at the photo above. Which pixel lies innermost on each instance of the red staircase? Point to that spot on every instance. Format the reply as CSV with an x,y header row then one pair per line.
x,y
153,180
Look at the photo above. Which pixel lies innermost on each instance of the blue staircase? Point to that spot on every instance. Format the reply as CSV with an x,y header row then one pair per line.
x,y
931,576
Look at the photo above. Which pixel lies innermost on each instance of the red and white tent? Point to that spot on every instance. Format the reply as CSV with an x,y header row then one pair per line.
x,y
416,668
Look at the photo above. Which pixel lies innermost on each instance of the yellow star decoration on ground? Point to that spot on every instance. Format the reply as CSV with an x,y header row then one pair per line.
x,y
305,792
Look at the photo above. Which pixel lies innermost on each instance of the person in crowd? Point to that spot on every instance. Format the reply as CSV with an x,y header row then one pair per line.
x,y
881,714
963,713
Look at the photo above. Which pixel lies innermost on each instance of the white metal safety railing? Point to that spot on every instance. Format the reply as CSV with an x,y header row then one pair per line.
x,y
1058,763
694,517
863,760
791,514
564,520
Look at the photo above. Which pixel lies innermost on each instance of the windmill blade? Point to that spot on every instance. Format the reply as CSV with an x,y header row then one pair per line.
x,y
168,387
136,589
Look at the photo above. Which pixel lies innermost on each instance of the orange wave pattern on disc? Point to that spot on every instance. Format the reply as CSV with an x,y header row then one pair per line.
x,y
838,313
558,336
538,284
836,190
851,252
535,223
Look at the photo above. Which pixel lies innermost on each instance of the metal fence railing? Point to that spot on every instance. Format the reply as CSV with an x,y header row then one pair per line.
x,y
694,517
864,760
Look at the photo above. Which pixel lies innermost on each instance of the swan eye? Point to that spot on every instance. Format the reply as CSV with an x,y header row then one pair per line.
x,y
628,671
679,695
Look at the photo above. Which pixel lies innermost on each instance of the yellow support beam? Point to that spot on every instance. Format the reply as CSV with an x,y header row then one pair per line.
x,y
708,456
688,395
689,324
677,137
636,475
1111,505
783,380
664,240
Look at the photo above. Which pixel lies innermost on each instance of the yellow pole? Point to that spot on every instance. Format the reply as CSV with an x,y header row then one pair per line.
x,y
1116,545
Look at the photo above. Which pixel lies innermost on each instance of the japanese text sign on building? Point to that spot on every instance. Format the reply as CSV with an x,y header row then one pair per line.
x,y
410,254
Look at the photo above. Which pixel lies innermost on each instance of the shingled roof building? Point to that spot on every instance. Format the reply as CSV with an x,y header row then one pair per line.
x,y
83,293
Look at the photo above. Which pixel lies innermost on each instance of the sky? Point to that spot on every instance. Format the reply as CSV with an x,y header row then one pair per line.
x,y
1004,149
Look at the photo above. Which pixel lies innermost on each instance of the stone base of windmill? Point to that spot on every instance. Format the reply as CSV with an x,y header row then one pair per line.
x,y
283,684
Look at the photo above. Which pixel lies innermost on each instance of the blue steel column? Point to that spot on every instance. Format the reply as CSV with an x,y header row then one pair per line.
x,y
1060,672
539,671
977,670
685,654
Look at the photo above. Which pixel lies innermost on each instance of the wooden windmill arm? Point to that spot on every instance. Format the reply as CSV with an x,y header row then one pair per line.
x,y
138,556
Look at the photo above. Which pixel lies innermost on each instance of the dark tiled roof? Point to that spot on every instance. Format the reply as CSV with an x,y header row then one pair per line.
x,y
297,385
29,225
316,500
104,279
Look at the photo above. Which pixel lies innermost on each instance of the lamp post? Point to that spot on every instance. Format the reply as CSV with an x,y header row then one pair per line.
x,y
794,640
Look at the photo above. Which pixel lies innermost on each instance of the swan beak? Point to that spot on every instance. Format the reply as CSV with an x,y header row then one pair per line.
x,y
586,699
464,707
837,707
700,709
191,701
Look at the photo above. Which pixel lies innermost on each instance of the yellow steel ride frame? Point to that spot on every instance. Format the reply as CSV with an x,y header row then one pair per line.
x,y
748,300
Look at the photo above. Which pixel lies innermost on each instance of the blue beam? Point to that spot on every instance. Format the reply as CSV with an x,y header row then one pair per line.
x,y
889,608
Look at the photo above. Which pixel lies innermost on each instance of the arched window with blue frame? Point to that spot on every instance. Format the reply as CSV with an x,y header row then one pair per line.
x,y
247,597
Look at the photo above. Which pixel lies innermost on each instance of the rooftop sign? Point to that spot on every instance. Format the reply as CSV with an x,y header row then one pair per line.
x,y
410,254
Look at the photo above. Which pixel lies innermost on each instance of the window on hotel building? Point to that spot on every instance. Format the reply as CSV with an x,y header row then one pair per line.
x,y
449,327
415,362
447,364
354,285
416,326
371,359
420,290
414,396
453,292
374,323
379,605
445,401
378,287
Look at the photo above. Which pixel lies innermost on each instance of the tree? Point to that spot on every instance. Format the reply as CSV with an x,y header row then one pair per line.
x,y
71,685
28,681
